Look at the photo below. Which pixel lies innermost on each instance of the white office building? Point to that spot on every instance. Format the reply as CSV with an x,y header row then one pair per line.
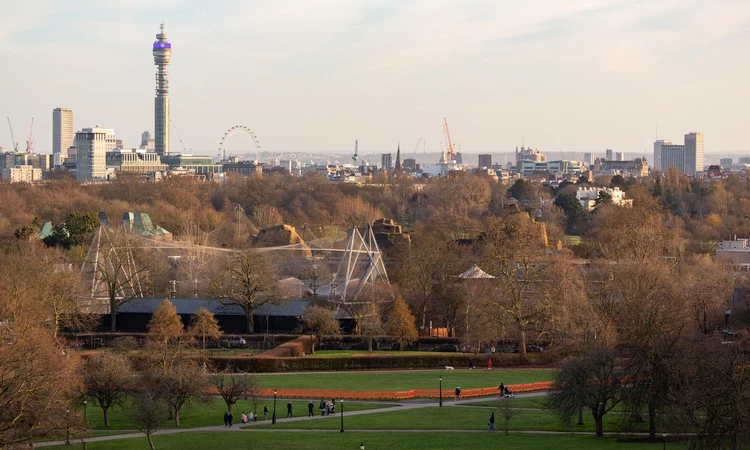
x,y
92,146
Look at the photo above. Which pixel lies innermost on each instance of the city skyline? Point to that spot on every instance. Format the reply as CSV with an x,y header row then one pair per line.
x,y
313,76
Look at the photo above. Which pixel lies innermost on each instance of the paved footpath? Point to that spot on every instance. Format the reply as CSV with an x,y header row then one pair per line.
x,y
397,407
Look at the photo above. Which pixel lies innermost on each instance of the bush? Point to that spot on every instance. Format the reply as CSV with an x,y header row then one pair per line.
x,y
294,348
125,344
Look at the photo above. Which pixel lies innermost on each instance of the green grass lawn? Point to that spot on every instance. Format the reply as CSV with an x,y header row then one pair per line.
x,y
528,402
403,380
209,414
372,441
450,418
359,353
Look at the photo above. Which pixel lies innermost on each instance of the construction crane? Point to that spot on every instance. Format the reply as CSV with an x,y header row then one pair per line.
x,y
451,148
30,140
12,137
416,148
356,149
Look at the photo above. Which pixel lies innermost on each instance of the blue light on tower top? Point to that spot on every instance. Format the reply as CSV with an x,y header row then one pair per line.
x,y
159,45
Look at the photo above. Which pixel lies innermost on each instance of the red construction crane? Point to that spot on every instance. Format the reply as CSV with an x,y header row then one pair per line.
x,y
449,144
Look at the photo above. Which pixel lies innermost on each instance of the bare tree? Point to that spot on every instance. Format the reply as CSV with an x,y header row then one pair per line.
x,y
248,281
106,377
265,216
145,413
354,212
184,383
508,412
234,386
123,273
516,256
321,321
593,381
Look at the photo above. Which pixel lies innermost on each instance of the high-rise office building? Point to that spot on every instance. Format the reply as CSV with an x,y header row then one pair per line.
x,y
162,56
609,155
657,163
693,153
588,158
619,156
62,133
91,162
485,162
672,155
726,163
386,161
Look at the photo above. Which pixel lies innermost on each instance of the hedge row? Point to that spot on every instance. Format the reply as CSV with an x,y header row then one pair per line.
x,y
294,348
375,362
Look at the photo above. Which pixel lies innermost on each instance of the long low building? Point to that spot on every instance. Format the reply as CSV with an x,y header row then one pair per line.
x,y
134,315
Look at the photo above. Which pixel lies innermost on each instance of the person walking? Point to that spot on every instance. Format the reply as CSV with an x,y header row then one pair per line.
x,y
492,423
489,363
323,407
229,418
265,412
226,419
289,409
310,407
501,388
458,393
244,416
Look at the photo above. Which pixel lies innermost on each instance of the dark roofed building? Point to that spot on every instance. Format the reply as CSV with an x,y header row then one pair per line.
x,y
135,315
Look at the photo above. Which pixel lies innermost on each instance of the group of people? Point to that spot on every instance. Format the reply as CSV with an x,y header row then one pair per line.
x,y
327,408
252,417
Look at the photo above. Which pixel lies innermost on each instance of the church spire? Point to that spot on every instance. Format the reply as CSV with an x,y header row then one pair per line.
x,y
397,167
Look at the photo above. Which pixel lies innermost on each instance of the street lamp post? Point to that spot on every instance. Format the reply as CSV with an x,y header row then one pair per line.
x,y
67,426
342,415
273,418
665,441
441,391
84,444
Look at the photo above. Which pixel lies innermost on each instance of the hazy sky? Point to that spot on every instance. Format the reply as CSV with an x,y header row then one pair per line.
x,y
314,75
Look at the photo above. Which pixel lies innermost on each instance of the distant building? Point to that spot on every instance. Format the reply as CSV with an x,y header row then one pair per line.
x,y
484,162
199,165
657,163
693,153
22,174
527,154
688,157
744,160
459,158
619,156
609,155
715,171
135,161
587,197
726,163
673,155
386,161
588,158
736,251
62,133
636,168
245,168
410,164
147,141
92,145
